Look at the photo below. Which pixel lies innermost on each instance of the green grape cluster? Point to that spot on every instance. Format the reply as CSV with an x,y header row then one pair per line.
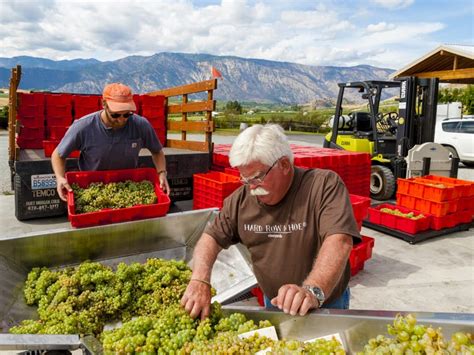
x,y
397,212
98,196
174,331
84,298
408,337
319,346
146,298
228,343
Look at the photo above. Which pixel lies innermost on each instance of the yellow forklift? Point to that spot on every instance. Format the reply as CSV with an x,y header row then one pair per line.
x,y
387,137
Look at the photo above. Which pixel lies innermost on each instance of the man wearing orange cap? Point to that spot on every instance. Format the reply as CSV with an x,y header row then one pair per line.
x,y
109,139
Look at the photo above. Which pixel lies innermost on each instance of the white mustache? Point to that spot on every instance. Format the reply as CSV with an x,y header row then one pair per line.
x,y
259,191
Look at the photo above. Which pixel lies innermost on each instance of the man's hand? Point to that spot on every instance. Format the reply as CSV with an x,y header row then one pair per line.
x,y
63,188
294,299
164,183
197,299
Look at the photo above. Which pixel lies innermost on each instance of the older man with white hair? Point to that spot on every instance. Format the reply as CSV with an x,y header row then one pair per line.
x,y
297,224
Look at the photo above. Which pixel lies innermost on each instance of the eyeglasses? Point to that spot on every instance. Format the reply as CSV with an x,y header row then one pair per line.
x,y
257,180
117,115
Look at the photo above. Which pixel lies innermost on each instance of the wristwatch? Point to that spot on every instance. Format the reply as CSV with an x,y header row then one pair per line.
x,y
317,292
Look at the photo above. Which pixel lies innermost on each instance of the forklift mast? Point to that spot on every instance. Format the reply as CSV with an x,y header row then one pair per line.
x,y
417,112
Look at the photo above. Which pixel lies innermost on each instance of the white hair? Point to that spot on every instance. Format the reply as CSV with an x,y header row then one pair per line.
x,y
265,144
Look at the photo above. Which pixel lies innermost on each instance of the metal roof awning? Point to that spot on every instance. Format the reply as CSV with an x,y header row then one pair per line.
x,y
449,63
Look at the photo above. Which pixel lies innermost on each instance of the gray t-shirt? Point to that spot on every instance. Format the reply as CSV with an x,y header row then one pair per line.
x,y
285,239
104,148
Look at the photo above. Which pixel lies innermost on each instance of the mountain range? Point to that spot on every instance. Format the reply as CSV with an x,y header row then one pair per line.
x,y
243,79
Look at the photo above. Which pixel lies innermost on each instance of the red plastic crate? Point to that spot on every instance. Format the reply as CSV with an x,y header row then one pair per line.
x,y
56,133
49,146
221,159
427,189
448,221
58,121
369,246
466,204
360,206
152,101
464,217
466,188
32,133
31,111
437,209
58,111
30,99
257,292
58,99
85,104
232,171
33,121
210,189
360,253
217,168
156,122
29,143
403,224
84,111
136,99
107,216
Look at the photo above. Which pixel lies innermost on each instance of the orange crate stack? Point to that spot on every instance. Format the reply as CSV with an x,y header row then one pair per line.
x,y
449,201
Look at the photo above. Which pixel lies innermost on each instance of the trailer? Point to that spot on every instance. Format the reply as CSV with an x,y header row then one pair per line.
x,y
172,237
32,177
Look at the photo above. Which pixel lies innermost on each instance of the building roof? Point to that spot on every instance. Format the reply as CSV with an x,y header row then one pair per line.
x,y
450,63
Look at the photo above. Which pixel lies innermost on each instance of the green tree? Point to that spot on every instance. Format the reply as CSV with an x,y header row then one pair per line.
x,y
233,107
464,95
468,100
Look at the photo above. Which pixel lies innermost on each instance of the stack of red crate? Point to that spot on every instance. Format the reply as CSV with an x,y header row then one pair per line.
x,y
361,252
30,116
153,109
58,119
85,104
353,168
58,109
210,189
448,201
360,206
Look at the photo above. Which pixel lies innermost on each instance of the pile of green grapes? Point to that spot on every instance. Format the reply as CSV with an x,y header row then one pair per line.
x,y
146,299
98,196
82,299
408,337
397,212
175,332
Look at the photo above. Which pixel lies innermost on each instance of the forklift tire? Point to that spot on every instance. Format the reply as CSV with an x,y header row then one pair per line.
x,y
382,183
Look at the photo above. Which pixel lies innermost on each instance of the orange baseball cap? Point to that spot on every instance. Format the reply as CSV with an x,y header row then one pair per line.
x,y
119,97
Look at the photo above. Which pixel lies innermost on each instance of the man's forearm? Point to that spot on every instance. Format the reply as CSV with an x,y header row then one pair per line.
x,y
159,160
204,256
330,263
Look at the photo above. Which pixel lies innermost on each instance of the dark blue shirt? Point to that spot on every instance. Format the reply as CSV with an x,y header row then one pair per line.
x,y
104,148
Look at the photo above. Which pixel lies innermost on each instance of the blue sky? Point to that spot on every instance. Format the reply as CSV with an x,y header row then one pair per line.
x,y
384,33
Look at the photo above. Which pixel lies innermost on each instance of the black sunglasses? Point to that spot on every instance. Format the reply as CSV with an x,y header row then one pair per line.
x,y
124,115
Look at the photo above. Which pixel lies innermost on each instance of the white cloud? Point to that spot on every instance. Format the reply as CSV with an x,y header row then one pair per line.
x,y
380,27
108,30
394,4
